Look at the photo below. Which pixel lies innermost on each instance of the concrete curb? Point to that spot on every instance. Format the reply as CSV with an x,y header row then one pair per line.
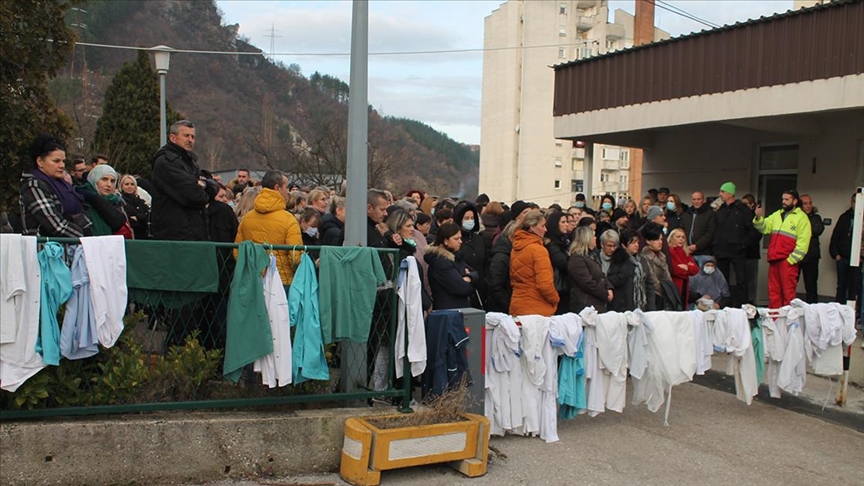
x,y
173,447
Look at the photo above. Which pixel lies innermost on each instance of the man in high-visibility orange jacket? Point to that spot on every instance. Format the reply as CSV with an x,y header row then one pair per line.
x,y
789,228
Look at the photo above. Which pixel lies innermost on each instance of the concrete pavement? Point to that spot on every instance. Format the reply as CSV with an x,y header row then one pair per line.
x,y
712,439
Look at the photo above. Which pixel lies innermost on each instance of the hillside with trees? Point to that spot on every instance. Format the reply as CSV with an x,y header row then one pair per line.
x,y
249,112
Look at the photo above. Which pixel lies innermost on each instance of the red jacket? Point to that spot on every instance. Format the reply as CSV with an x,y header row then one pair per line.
x,y
681,277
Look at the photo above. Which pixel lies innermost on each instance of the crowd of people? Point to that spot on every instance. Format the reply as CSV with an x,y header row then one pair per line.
x,y
657,253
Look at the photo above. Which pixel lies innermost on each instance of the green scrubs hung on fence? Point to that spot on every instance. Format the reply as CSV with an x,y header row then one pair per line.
x,y
248,334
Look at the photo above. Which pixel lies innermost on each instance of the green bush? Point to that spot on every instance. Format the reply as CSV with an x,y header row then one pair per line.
x,y
186,371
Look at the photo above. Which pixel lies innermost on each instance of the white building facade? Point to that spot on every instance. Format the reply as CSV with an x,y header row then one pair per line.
x,y
519,156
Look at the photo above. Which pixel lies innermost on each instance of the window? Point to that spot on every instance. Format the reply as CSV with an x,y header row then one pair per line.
x,y
625,155
778,158
557,143
557,183
611,153
604,177
562,32
623,179
577,164
577,185
562,9
561,53
558,162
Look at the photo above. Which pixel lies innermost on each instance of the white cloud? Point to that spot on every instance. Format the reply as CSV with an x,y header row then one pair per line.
x,y
442,90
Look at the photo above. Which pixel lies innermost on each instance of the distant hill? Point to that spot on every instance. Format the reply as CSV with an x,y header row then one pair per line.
x,y
250,112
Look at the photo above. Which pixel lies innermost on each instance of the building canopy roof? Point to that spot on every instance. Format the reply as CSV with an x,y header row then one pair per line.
x,y
819,42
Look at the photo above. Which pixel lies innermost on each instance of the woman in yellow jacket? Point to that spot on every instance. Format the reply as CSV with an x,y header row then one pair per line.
x,y
270,223
531,274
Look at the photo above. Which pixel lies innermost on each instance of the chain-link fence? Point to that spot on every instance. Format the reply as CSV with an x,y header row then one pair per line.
x,y
171,353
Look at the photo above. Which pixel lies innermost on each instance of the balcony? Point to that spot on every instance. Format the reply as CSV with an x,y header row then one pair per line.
x,y
584,4
610,186
579,153
614,31
611,165
584,23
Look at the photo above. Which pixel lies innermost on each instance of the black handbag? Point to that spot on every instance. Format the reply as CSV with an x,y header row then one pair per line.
x,y
560,280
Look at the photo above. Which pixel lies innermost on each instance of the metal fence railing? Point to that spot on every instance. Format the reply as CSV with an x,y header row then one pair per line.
x,y
170,356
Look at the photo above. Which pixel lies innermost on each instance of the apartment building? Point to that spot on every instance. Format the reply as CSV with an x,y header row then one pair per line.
x,y
520,157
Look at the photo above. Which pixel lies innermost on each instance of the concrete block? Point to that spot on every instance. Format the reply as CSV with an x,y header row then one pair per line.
x,y
173,447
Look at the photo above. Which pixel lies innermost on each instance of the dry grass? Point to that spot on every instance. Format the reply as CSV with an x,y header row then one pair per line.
x,y
446,408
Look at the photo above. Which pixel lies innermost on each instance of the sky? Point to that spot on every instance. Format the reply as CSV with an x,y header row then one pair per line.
x,y
443,89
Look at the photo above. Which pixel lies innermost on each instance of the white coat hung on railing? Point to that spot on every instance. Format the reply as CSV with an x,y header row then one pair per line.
x,y
658,350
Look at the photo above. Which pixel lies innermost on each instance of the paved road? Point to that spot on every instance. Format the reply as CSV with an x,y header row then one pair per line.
x,y
712,439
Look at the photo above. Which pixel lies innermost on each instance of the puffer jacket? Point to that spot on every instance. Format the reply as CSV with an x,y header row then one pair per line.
x,y
588,286
270,224
531,277
490,229
446,272
473,246
498,278
332,230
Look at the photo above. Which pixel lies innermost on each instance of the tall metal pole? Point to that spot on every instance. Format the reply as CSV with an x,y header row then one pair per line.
x,y
163,129
354,354
358,121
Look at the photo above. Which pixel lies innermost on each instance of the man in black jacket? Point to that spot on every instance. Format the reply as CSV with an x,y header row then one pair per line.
x,y
734,230
180,194
809,265
700,224
840,250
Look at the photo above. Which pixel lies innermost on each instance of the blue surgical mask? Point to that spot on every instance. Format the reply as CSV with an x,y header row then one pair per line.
x,y
580,204
708,270
607,206
410,241
468,224
670,206
230,204
312,232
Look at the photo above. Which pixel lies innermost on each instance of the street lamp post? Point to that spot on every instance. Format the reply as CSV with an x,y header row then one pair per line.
x,y
163,57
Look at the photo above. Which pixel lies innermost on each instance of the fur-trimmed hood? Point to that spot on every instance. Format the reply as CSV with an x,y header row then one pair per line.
x,y
438,251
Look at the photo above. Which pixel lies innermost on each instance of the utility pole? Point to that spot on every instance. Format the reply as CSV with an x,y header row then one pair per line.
x,y
272,35
358,127
354,354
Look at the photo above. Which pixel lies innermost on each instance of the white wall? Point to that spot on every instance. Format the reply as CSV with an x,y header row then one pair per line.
x,y
702,157
837,168
499,105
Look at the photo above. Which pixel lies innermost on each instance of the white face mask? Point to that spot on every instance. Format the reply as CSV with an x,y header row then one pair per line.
x,y
468,224
708,270
312,231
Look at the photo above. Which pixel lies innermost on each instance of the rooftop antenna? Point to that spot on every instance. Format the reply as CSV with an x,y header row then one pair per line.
x,y
272,35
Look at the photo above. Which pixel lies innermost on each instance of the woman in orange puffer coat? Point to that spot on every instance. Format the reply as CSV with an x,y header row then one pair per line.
x,y
531,274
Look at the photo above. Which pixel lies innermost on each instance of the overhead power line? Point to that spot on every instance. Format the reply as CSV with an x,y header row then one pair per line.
x,y
338,54
683,13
